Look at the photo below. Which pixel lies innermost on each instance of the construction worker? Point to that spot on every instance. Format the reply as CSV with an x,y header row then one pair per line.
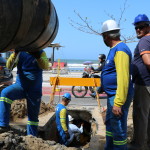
x,y
28,85
141,79
74,130
62,121
101,64
116,82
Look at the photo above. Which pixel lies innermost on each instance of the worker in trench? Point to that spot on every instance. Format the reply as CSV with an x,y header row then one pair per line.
x,y
75,130
62,120
28,85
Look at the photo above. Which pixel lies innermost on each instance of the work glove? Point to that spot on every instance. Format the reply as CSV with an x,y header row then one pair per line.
x,y
36,54
67,135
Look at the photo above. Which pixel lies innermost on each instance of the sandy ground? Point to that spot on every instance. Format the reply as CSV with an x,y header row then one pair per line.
x,y
18,115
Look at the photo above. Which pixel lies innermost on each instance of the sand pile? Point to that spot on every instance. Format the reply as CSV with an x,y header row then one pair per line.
x,y
19,109
13,140
16,139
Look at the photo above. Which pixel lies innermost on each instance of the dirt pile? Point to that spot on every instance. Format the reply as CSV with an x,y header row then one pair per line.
x,y
11,141
19,109
14,140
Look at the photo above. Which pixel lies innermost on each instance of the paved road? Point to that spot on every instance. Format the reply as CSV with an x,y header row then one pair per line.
x,y
47,88
86,101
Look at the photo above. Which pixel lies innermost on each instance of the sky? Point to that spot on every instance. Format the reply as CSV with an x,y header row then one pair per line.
x,y
80,45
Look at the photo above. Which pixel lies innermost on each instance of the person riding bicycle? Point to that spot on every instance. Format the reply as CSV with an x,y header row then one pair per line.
x,y
101,64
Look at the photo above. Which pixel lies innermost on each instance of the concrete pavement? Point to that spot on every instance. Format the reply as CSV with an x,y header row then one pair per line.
x,y
47,89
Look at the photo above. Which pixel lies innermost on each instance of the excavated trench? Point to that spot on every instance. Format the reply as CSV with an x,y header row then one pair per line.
x,y
49,131
93,137
48,136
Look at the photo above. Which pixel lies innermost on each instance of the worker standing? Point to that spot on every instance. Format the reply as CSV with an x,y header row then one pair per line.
x,y
141,79
117,84
28,85
62,121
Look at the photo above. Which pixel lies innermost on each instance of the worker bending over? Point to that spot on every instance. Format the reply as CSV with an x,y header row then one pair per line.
x,y
28,85
74,130
62,121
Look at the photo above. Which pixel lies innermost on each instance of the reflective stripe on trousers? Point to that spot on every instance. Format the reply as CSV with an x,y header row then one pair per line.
x,y
116,127
14,92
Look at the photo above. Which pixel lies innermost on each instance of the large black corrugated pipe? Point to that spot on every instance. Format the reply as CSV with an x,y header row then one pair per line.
x,y
27,25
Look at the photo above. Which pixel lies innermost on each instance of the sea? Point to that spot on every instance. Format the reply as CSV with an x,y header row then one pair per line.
x,y
78,65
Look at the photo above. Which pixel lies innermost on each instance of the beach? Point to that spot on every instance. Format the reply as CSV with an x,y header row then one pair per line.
x,y
74,68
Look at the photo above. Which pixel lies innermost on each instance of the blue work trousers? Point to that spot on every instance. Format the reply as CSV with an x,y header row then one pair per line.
x,y
116,127
62,137
15,92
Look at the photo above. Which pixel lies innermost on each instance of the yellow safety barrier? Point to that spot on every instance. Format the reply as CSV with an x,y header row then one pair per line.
x,y
64,81
75,81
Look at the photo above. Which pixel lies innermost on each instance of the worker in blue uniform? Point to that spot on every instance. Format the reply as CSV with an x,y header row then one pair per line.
x,y
116,82
62,120
28,85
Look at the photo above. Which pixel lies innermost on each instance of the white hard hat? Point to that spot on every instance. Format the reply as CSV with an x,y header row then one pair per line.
x,y
70,118
109,25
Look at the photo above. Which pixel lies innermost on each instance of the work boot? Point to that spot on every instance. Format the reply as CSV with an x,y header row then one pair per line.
x,y
4,129
92,95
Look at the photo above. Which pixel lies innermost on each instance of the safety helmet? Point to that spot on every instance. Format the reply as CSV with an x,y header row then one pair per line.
x,y
141,18
67,95
102,56
109,25
70,118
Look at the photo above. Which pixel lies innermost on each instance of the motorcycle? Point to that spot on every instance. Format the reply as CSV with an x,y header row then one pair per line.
x,y
81,91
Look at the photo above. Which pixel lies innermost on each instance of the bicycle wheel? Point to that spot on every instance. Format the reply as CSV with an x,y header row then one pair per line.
x,y
79,91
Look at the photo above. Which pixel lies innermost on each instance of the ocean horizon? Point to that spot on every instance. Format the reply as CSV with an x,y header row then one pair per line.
x,y
77,61
78,64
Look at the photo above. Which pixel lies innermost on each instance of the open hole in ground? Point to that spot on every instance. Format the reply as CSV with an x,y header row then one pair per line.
x,y
49,130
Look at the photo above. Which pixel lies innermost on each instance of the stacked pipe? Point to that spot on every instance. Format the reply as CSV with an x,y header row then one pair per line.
x,y
27,25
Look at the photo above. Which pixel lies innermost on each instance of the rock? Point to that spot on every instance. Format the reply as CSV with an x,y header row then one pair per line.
x,y
11,141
